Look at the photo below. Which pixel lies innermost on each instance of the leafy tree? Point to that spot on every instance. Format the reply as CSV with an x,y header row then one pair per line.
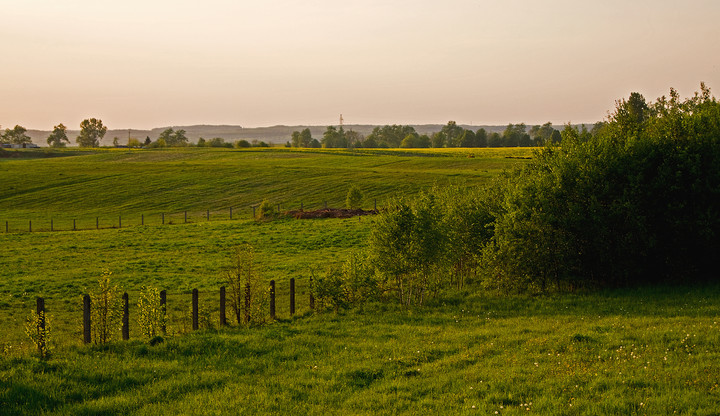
x,y
201,142
152,315
58,137
544,134
495,140
133,142
16,135
468,139
315,144
242,144
248,295
106,310
389,136
295,139
481,138
353,138
91,132
306,138
438,139
147,140
452,133
354,198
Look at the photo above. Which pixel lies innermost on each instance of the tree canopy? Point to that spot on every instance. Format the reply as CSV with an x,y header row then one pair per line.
x,y
91,132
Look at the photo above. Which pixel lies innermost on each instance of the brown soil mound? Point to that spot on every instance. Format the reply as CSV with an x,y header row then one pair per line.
x,y
329,213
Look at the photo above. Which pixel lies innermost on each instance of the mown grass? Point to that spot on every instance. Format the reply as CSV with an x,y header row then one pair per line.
x,y
620,353
114,184
644,351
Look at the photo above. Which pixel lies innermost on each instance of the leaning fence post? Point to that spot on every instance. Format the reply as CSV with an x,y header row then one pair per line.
x,y
126,318
223,318
86,320
41,324
195,325
272,300
292,296
163,310
312,297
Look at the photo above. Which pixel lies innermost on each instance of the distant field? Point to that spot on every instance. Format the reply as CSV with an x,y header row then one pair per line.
x,y
115,183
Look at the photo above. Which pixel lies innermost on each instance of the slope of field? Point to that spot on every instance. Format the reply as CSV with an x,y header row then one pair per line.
x,y
117,183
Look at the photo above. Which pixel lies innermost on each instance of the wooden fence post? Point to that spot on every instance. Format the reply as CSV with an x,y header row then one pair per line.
x,y
375,204
301,206
74,225
252,208
87,338
247,303
51,225
163,218
272,300
208,215
126,317
185,217
30,226
142,219
195,325
163,309
97,223
292,296
223,318
230,212
119,221
41,324
312,297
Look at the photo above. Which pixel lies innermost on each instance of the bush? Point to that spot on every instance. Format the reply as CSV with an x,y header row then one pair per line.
x,y
106,310
266,210
632,204
248,293
152,315
354,198
38,329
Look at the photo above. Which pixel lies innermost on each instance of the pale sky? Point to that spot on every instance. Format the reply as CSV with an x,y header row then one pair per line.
x,y
154,63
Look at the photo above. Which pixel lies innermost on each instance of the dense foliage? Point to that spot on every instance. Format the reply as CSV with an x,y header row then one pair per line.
x,y
631,202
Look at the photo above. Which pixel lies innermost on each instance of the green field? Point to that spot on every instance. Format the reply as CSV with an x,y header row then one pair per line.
x,y
643,351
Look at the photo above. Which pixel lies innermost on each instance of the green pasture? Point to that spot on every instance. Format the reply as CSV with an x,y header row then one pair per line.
x,y
627,352
136,186
641,352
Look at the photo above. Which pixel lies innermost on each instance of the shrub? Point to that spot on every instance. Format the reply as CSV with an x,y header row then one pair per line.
x,y
106,310
266,210
248,293
152,315
38,329
354,198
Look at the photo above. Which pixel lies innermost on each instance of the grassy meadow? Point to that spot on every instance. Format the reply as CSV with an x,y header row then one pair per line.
x,y
641,351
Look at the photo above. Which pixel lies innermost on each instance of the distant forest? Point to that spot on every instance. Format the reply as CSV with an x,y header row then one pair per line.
x,y
450,135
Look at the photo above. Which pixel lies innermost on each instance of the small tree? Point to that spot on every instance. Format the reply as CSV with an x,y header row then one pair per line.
x,y
354,198
37,328
151,314
266,210
16,135
248,292
107,310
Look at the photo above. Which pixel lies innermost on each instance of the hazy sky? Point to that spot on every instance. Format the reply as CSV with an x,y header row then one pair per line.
x,y
154,63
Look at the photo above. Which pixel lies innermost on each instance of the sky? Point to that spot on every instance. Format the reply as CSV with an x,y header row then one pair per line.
x,y
155,63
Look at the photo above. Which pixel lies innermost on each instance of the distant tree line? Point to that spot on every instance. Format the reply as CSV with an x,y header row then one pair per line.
x,y
450,135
